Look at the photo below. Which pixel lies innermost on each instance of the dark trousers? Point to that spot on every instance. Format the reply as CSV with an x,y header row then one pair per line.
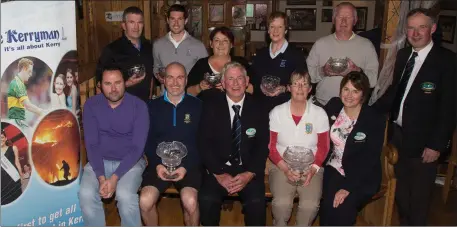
x,y
415,182
211,196
346,213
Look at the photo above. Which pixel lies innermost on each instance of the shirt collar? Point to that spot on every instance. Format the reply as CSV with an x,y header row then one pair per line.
x,y
165,97
282,50
289,112
105,100
352,36
231,103
139,42
178,42
422,54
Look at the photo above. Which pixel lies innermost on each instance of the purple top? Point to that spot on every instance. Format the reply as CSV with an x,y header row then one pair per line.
x,y
115,134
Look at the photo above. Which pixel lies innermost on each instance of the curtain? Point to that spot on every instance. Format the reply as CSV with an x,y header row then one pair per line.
x,y
399,38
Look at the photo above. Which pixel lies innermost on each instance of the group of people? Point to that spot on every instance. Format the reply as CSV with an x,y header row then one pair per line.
x,y
231,128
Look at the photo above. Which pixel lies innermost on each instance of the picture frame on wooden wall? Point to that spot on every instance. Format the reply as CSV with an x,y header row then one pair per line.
x,y
362,14
196,13
239,15
326,15
301,19
249,10
447,24
259,21
301,2
216,13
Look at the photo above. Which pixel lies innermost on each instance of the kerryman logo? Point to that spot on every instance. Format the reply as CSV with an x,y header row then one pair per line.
x,y
13,36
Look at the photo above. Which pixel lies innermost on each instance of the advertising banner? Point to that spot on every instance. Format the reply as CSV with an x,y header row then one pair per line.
x,y
40,114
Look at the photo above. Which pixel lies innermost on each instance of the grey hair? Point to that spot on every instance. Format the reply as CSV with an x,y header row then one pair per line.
x,y
233,64
354,10
177,64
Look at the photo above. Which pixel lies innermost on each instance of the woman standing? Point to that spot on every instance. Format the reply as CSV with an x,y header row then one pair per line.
x,y
11,171
353,173
221,42
279,59
297,123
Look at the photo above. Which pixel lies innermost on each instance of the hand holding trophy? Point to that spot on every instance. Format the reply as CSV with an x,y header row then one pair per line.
x,y
299,160
171,153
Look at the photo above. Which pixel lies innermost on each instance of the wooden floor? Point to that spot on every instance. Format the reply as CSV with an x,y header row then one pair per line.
x,y
440,214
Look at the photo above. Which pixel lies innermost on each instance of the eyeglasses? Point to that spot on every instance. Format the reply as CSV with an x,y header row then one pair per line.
x,y
297,85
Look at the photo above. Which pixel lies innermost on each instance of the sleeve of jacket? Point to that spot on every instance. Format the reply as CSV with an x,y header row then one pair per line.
x,y
384,103
205,140
369,159
445,123
259,157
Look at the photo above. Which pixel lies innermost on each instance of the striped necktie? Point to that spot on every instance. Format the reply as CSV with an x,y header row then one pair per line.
x,y
236,135
402,86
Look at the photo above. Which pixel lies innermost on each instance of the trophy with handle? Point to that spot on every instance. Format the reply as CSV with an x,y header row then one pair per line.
x,y
171,154
299,159
136,71
270,83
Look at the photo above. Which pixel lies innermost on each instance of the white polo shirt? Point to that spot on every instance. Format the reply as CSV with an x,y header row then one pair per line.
x,y
313,121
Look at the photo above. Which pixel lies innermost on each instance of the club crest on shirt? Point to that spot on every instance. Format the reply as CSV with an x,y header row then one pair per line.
x,y
428,87
283,63
187,118
308,128
189,53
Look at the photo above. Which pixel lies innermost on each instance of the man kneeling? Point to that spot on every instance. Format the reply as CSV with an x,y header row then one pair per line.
x,y
173,117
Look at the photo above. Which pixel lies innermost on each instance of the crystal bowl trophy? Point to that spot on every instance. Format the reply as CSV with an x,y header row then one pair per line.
x,y
270,83
213,78
338,65
299,160
171,153
136,71
162,73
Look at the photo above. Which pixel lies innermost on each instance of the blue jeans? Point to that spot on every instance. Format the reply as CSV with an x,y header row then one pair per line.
x,y
126,194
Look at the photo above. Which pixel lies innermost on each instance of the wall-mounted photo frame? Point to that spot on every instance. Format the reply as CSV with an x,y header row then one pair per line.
x,y
301,19
447,24
196,21
216,13
326,15
362,14
301,2
239,15
259,21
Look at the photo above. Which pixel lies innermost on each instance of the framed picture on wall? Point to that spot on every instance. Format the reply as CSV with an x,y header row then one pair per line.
x,y
216,13
259,19
301,2
362,13
239,15
303,19
196,21
326,15
447,24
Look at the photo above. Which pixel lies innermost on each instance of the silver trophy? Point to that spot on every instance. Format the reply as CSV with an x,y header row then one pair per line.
x,y
136,71
299,159
213,79
270,83
162,73
171,153
338,65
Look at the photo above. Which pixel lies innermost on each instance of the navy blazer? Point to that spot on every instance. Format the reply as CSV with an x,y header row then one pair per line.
x,y
362,152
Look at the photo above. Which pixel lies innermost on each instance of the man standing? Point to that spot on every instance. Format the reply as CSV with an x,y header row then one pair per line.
x,y
174,117
341,44
421,102
115,130
18,100
132,49
233,140
178,45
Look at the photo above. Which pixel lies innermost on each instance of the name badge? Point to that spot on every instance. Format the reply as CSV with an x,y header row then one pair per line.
x,y
428,87
9,168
